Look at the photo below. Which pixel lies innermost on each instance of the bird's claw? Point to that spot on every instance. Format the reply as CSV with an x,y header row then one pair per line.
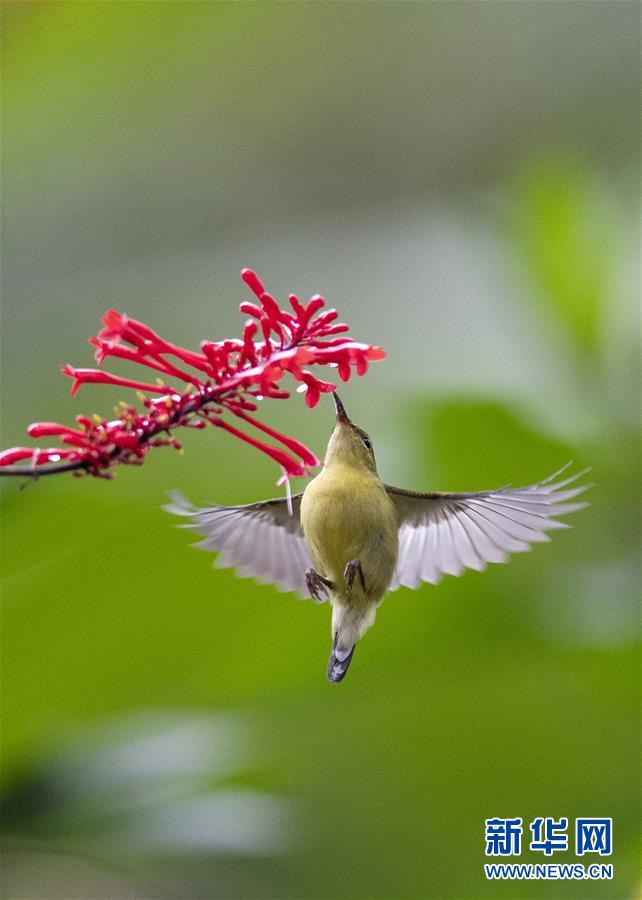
x,y
317,584
350,573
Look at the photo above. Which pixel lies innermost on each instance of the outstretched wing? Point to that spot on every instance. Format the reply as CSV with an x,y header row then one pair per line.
x,y
447,533
260,540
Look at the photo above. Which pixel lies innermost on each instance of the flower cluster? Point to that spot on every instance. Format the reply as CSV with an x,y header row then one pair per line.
x,y
229,376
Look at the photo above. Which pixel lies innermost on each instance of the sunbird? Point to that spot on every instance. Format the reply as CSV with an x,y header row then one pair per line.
x,y
350,539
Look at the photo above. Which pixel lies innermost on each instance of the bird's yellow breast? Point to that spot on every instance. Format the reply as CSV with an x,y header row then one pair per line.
x,y
347,514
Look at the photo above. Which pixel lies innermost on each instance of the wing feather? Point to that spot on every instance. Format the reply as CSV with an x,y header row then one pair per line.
x,y
445,533
259,540
427,567
485,547
447,557
468,555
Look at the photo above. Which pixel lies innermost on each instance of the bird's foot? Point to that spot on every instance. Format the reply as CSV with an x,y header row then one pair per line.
x,y
350,573
318,585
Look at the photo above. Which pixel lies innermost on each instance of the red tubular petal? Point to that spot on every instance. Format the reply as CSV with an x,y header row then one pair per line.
x,y
115,323
148,341
312,380
312,393
297,447
315,304
339,328
121,327
311,397
249,349
266,328
214,355
196,360
253,281
305,313
107,348
251,309
325,353
271,307
55,454
321,343
97,376
139,334
288,319
344,371
329,316
249,331
37,456
276,316
274,393
15,454
124,439
40,429
250,405
299,309
84,442
291,466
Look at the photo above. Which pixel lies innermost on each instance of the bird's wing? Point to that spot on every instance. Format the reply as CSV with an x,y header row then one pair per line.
x,y
447,533
260,540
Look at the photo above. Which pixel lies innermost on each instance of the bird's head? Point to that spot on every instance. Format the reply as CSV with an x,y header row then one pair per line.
x,y
349,445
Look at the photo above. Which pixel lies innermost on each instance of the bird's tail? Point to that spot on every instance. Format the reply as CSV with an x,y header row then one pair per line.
x,y
339,662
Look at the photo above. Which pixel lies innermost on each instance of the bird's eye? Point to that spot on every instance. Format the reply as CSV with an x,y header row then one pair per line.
x,y
366,441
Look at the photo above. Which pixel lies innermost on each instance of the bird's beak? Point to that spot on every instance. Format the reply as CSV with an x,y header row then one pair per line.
x,y
341,413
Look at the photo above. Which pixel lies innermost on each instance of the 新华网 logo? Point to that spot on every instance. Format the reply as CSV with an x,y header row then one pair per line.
x,y
548,835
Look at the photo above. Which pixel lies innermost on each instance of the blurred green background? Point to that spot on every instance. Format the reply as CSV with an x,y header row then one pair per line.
x,y
462,181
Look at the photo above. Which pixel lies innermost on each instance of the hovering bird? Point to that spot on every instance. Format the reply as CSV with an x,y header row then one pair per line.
x,y
349,538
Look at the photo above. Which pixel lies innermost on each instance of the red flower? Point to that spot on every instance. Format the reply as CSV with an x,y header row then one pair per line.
x,y
229,376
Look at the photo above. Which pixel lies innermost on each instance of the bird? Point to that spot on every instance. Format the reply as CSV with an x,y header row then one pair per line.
x,y
350,539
